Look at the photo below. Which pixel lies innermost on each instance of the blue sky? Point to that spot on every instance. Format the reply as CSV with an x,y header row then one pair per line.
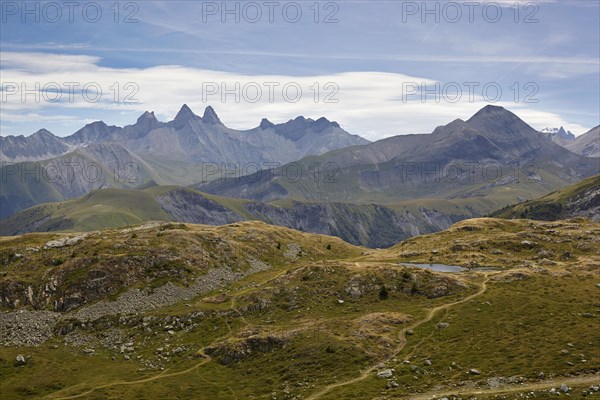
x,y
367,60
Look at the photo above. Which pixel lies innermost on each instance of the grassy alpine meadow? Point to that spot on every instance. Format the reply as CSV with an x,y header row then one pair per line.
x,y
306,316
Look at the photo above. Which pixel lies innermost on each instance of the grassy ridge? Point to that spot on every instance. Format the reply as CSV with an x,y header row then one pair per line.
x,y
553,206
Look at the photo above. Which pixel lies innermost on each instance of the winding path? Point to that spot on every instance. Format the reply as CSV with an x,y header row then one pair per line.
x,y
527,387
368,372
164,373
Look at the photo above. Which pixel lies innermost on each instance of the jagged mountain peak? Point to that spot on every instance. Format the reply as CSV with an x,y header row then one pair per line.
x,y
457,124
323,123
97,124
146,123
185,114
560,132
266,124
146,115
44,133
211,117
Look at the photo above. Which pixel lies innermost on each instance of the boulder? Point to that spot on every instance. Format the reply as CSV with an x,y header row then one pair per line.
x,y
385,374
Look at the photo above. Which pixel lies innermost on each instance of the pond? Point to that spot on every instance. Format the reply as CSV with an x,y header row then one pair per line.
x,y
436,267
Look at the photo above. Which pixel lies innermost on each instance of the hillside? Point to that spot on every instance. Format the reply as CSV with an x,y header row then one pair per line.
x,y
579,200
588,144
99,165
370,225
249,310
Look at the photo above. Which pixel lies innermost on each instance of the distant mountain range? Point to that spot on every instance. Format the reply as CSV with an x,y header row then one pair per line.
x,y
43,167
494,156
374,194
559,135
190,138
587,145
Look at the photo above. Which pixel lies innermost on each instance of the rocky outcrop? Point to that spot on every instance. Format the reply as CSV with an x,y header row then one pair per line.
x,y
228,353
192,207
369,225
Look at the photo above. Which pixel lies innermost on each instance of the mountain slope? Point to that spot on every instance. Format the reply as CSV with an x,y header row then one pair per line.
x,y
494,155
588,144
98,165
371,225
39,146
579,200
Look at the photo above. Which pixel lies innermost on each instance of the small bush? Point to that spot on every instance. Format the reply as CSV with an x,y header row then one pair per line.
x,y
384,293
414,289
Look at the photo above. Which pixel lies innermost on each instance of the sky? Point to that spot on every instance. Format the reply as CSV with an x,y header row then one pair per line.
x,y
378,68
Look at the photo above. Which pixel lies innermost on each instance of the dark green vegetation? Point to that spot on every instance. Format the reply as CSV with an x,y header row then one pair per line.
x,y
581,199
313,319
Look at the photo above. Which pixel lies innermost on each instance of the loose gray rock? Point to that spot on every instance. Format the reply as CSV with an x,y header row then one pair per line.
x,y
386,373
392,385
474,371
564,388
20,359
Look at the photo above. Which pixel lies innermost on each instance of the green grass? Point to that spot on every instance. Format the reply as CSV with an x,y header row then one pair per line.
x,y
517,327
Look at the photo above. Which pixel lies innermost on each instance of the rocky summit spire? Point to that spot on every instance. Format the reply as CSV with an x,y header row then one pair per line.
x,y
184,114
147,121
211,117
266,124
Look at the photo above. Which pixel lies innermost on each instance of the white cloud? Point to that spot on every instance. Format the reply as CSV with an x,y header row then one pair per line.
x,y
368,103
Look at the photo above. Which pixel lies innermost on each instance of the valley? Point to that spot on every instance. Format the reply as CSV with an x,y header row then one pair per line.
x,y
374,194
313,200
